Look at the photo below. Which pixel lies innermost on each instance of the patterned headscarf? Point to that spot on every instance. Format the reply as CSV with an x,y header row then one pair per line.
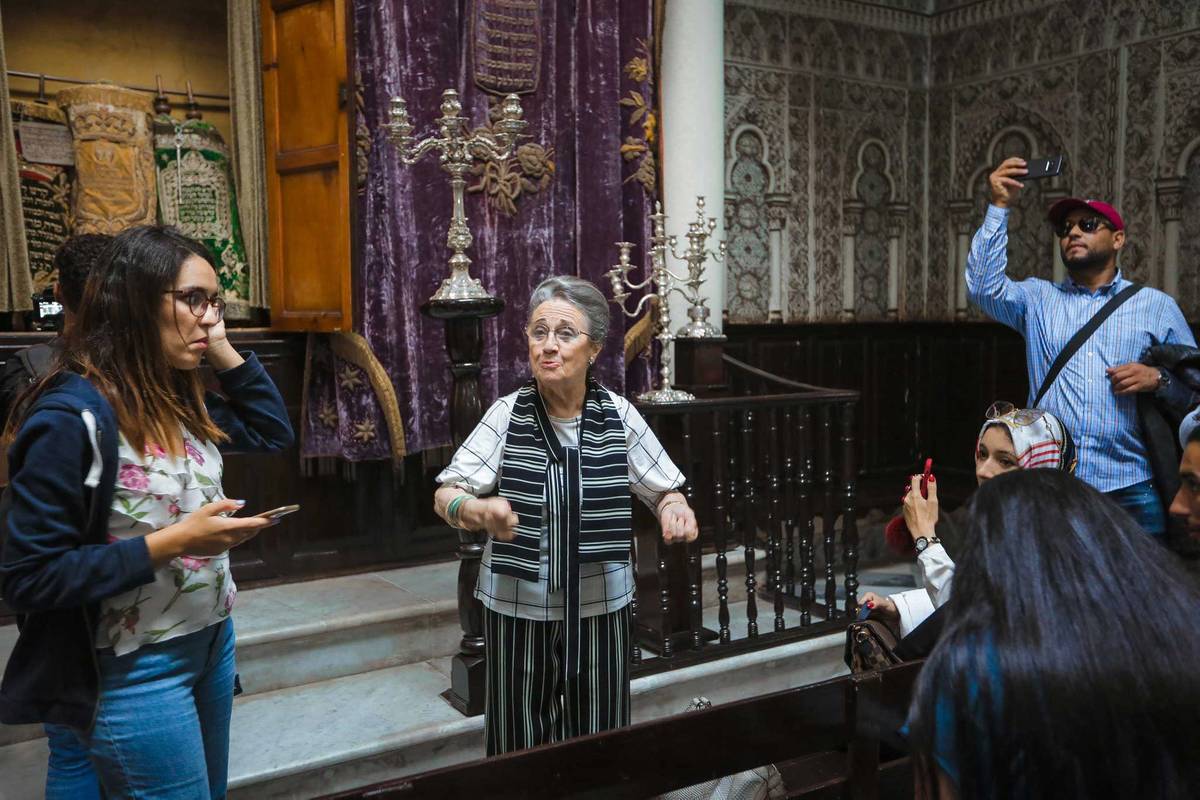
x,y
1189,424
1039,438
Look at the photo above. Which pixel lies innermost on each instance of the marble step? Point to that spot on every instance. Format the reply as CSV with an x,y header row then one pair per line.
x,y
300,633
364,740
349,731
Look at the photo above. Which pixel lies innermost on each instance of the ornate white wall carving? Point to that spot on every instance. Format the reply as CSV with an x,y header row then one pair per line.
x,y
948,88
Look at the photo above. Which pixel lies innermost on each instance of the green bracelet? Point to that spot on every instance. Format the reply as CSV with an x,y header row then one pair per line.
x,y
453,508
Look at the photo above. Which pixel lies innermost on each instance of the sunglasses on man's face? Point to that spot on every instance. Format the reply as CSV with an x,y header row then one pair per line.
x,y
1086,225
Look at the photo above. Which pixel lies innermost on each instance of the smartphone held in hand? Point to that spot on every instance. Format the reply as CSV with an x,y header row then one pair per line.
x,y
282,511
1043,167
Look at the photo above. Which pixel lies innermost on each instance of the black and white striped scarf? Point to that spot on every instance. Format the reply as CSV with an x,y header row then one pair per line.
x,y
584,489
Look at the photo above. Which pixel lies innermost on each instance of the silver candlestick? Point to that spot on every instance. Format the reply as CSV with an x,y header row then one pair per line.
x,y
698,326
458,148
661,282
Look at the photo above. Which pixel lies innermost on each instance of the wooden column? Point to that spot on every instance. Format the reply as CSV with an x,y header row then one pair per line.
x,y
464,343
699,367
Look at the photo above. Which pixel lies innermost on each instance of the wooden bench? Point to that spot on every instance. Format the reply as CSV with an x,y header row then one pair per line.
x,y
829,740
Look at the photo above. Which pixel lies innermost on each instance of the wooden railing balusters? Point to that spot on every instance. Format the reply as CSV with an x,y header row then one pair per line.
x,y
666,644
719,521
748,517
808,566
775,522
829,516
772,465
695,604
791,514
849,525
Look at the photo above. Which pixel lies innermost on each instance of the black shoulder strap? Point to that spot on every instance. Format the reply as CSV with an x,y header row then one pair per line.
x,y
1082,335
37,360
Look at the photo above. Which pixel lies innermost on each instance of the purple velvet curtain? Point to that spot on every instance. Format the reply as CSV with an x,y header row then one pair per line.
x,y
416,49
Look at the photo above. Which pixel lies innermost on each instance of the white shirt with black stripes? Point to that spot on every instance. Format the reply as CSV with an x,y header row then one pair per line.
x,y
604,588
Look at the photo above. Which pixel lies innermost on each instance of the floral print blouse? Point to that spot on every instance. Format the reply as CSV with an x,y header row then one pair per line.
x,y
155,489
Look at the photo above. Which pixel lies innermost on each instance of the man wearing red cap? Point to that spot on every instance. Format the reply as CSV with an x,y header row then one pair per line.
x,y
1095,393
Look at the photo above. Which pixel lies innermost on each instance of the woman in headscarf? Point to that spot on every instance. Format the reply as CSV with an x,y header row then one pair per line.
x,y
548,474
1010,439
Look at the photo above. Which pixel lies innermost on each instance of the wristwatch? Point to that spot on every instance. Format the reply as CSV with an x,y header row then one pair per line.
x,y
1164,379
922,542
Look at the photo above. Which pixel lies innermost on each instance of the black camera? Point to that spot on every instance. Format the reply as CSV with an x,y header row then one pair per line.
x,y
47,311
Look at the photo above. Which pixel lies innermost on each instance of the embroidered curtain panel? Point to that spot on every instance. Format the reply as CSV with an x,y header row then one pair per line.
x,y
582,182
17,284
249,152
196,194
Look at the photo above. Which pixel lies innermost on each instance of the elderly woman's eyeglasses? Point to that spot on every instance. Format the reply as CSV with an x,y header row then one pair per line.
x,y
1086,225
198,302
565,335
1003,410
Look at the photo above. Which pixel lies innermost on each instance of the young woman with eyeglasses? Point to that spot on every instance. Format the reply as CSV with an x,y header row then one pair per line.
x,y
119,527
1011,439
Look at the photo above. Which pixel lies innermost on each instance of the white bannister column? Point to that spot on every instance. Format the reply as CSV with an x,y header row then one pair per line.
x,y
777,214
852,213
693,131
1170,208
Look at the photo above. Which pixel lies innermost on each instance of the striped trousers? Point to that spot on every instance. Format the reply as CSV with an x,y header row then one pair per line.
x,y
530,699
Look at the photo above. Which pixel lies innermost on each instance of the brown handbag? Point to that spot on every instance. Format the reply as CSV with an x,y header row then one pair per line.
x,y
871,645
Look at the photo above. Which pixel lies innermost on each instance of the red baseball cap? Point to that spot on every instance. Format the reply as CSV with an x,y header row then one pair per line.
x,y
1069,204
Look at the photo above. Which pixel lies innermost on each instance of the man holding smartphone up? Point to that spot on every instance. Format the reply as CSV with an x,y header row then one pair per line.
x,y
1086,375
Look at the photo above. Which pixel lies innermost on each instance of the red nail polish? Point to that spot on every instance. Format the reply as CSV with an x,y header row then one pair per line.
x,y
932,479
870,604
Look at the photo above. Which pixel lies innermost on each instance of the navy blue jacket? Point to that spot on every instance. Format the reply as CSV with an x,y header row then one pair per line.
x,y
57,564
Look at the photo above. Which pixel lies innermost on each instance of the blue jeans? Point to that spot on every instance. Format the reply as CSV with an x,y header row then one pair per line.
x,y
1142,503
69,775
162,725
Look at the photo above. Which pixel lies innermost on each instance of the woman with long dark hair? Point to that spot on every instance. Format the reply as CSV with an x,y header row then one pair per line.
x,y
1068,663
118,534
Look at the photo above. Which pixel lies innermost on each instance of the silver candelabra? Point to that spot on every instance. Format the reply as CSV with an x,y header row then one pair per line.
x,y
696,254
458,148
661,282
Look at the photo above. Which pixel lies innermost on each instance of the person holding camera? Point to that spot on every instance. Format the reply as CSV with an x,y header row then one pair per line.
x,y
1084,338
73,262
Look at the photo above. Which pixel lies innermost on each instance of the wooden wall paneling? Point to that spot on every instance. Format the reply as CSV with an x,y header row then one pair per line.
x,y
308,140
925,386
890,425
790,354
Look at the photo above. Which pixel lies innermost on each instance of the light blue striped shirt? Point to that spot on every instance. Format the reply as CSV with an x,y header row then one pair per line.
x,y
1104,426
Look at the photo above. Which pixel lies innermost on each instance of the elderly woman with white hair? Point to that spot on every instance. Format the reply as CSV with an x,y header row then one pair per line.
x,y
548,474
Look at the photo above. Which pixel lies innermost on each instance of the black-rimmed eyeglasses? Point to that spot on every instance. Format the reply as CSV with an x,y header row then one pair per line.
x,y
198,302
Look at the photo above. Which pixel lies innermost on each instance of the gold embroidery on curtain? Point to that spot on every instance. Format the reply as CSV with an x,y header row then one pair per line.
x,y
16,282
527,171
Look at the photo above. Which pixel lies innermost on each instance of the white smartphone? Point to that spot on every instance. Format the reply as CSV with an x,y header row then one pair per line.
x,y
282,511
